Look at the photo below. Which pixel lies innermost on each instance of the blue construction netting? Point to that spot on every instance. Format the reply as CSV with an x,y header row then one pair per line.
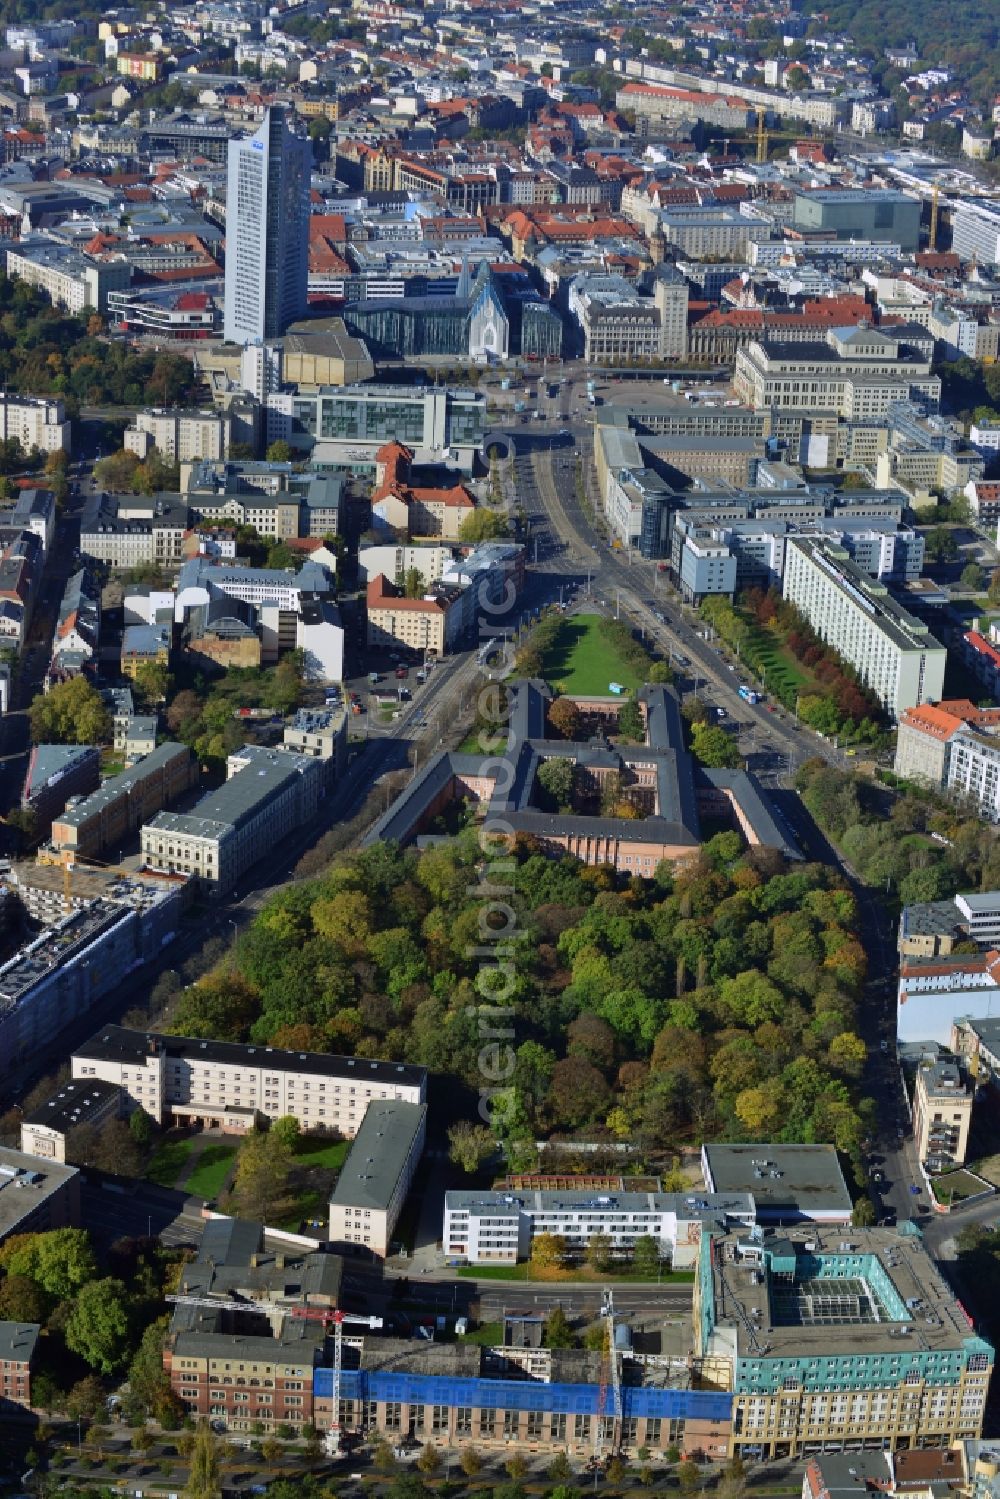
x,y
520,1395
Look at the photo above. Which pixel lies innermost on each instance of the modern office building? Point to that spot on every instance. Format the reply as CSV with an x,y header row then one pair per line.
x,y
942,1114
375,1178
224,1085
498,1227
836,1339
268,795
894,653
267,230
345,426
879,215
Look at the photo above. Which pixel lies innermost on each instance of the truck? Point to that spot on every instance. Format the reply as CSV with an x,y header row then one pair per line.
x,y
748,694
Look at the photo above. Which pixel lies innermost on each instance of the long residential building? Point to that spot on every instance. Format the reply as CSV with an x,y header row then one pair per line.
x,y
376,1176
228,1086
833,1339
268,795
894,653
72,279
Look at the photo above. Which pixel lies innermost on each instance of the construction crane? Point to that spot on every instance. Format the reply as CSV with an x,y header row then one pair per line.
x,y
932,236
609,1375
330,1316
761,138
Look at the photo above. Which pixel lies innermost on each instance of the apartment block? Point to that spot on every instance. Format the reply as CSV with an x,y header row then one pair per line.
x,y
942,1114
223,1085
894,653
431,624
836,1339
268,795
180,436
376,1176
36,422
976,231
123,803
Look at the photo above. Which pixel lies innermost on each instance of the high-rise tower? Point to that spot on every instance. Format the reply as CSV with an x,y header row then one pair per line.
x,y
267,230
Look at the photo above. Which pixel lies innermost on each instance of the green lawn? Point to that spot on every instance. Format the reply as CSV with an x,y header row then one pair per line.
x,y
956,1186
582,662
487,1335
169,1160
206,1180
778,668
209,1175
315,1151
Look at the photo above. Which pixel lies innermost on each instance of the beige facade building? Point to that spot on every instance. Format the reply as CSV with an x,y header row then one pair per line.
x,y
269,793
36,423
180,436
834,1339
858,373
222,1085
376,1176
942,1114
431,624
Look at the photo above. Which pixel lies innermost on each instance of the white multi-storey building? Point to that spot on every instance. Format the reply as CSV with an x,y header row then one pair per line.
x,y
499,1226
36,422
976,231
180,1080
894,654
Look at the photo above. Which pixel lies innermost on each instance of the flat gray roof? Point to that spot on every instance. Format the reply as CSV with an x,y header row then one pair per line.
x,y
379,1153
786,1181
16,1203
